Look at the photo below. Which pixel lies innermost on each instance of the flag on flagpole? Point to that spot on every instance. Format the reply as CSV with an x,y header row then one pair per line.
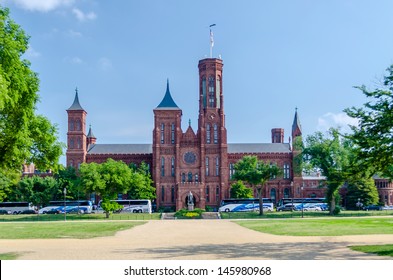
x,y
211,39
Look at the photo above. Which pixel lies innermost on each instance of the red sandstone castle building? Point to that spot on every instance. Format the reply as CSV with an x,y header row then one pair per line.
x,y
201,161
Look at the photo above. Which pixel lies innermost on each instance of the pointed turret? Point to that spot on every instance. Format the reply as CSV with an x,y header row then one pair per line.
x,y
296,127
167,102
76,105
91,139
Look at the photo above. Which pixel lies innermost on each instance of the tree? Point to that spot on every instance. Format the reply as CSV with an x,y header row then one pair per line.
x,y
256,173
107,179
362,190
374,134
239,190
24,136
332,155
36,190
142,184
67,178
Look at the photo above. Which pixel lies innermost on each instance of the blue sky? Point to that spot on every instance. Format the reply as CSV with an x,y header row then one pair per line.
x,y
277,55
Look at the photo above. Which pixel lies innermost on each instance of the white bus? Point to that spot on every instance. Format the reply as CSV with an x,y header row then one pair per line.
x,y
245,205
71,206
131,205
16,207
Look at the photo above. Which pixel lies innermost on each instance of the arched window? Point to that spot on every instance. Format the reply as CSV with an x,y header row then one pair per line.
x,y
211,91
162,193
204,91
231,170
173,194
173,133
183,177
207,166
162,166
208,133
79,144
72,127
286,193
218,91
71,163
72,143
173,167
207,194
287,174
273,195
78,125
196,178
217,166
215,136
217,193
162,133
189,177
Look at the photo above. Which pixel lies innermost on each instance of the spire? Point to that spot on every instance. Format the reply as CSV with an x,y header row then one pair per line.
x,y
76,105
296,126
167,102
90,134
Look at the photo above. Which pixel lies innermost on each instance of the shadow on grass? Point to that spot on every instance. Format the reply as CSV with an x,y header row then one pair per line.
x,y
282,251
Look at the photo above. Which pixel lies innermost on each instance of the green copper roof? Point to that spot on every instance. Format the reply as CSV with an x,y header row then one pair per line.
x,y
76,106
167,102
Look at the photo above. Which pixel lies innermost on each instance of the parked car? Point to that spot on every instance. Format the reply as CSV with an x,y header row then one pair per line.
x,y
52,211
28,212
287,207
312,208
372,208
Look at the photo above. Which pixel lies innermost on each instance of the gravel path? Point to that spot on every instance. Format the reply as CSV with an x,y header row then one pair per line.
x,y
194,239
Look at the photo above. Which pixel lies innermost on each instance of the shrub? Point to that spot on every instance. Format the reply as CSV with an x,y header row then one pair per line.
x,y
186,214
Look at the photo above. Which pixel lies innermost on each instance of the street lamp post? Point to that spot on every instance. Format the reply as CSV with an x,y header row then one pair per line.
x,y
359,204
65,212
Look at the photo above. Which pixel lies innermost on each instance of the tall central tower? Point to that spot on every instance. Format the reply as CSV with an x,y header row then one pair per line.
x,y
212,133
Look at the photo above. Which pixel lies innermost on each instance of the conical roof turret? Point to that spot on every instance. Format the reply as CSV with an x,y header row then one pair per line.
x,y
76,105
167,102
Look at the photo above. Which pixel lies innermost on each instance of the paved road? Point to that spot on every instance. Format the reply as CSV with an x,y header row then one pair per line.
x,y
194,239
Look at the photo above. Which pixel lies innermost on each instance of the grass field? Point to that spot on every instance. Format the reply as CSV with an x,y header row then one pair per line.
x,y
380,250
76,217
80,230
322,227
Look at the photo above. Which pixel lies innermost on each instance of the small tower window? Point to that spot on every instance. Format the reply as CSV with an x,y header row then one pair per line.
x,y
204,91
162,133
79,143
286,171
217,166
218,91
231,170
162,166
72,127
173,167
207,166
183,177
189,177
196,178
208,133
72,143
215,136
78,125
173,133
211,91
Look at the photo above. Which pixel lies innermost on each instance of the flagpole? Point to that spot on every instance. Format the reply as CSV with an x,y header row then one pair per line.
x,y
211,40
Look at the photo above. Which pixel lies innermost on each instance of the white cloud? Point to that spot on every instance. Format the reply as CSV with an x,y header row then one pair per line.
x,y
42,5
74,34
341,120
73,60
105,63
32,53
81,16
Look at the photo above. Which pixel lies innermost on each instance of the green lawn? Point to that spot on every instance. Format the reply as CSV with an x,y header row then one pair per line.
x,y
322,227
380,250
74,217
78,230
9,256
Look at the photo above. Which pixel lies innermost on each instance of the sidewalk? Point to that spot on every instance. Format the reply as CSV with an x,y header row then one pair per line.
x,y
195,239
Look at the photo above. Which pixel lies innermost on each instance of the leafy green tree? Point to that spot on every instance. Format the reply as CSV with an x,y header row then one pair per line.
x,y
256,173
107,179
24,136
373,136
333,156
239,190
68,178
142,183
36,190
363,190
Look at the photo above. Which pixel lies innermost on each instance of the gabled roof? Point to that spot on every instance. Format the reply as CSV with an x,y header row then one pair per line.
x,y
239,148
123,149
167,102
76,105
